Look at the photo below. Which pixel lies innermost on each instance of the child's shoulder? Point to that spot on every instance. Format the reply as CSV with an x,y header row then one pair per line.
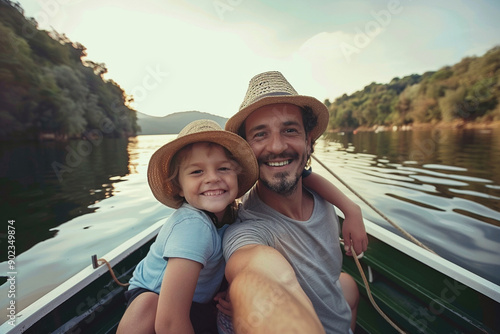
x,y
186,218
188,213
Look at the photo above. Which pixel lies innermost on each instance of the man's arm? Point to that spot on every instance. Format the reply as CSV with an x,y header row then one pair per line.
x,y
266,295
353,229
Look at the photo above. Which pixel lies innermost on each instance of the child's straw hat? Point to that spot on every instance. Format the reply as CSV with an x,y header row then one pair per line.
x,y
200,131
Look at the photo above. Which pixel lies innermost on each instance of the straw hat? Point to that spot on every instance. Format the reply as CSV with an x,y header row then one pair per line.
x,y
200,131
271,88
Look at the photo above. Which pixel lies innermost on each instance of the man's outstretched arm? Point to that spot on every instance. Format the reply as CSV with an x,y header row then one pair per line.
x,y
266,295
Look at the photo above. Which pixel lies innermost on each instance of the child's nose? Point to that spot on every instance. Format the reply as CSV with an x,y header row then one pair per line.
x,y
212,176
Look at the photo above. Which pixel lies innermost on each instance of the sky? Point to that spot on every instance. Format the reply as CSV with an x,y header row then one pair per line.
x,y
183,55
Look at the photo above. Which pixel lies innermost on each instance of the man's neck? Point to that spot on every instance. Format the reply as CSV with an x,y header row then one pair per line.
x,y
298,205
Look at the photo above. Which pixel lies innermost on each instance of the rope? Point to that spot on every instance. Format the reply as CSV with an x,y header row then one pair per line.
x,y
103,261
408,235
369,293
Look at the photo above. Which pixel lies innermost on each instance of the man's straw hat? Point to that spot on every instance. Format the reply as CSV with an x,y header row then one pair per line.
x,y
271,88
199,131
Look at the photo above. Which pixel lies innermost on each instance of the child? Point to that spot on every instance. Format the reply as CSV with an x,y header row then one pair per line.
x,y
200,173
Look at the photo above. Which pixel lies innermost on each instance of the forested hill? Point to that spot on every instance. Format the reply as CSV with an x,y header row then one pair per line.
x,y
47,91
468,91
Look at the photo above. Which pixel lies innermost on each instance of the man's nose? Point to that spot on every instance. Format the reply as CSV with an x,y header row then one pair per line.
x,y
277,143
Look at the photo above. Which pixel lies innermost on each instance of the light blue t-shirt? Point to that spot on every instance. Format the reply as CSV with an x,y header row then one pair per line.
x,y
190,234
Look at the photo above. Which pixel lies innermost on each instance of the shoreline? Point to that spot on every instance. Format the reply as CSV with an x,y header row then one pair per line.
x,y
456,125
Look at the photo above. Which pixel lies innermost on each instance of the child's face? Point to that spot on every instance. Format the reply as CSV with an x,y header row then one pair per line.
x,y
208,179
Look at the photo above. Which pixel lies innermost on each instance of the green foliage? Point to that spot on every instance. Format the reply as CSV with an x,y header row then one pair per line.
x,y
467,91
47,90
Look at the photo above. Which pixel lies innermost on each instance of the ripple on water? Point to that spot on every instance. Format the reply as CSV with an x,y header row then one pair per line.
x,y
436,180
445,167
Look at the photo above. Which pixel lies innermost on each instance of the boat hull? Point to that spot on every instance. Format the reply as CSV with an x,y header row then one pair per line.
x,y
417,296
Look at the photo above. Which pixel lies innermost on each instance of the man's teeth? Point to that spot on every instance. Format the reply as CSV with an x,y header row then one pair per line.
x,y
213,193
279,164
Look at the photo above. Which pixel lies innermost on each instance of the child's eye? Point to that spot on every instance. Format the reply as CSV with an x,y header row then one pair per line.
x,y
197,171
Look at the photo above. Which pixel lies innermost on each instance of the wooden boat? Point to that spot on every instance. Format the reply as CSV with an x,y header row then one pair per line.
x,y
418,290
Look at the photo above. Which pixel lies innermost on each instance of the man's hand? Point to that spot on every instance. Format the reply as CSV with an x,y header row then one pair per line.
x,y
224,303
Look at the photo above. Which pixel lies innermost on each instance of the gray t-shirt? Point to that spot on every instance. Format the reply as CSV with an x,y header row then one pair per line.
x,y
311,247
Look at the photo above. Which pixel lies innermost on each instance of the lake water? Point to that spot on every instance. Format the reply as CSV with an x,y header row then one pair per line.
x,y
72,200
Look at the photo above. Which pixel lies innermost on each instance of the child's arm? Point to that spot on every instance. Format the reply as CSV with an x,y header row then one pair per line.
x,y
176,296
353,229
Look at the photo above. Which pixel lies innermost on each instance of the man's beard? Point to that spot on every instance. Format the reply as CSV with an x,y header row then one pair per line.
x,y
282,185
280,182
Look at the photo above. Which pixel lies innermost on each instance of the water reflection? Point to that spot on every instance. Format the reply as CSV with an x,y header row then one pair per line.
x,y
47,184
98,201
441,185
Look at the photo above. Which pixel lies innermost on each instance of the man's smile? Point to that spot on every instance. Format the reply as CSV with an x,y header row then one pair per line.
x,y
279,163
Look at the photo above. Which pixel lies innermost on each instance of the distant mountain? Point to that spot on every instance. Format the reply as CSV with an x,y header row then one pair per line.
x,y
173,123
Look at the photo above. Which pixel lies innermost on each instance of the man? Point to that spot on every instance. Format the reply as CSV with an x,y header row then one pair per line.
x,y
283,254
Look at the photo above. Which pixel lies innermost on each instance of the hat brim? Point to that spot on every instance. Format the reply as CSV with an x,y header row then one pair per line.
x,y
318,108
164,190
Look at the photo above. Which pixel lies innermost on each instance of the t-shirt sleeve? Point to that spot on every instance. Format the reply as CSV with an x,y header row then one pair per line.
x,y
245,233
190,239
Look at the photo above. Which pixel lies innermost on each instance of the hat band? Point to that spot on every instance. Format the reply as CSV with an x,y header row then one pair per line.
x,y
267,95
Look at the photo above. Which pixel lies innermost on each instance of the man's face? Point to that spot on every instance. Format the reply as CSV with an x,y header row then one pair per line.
x,y
277,137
